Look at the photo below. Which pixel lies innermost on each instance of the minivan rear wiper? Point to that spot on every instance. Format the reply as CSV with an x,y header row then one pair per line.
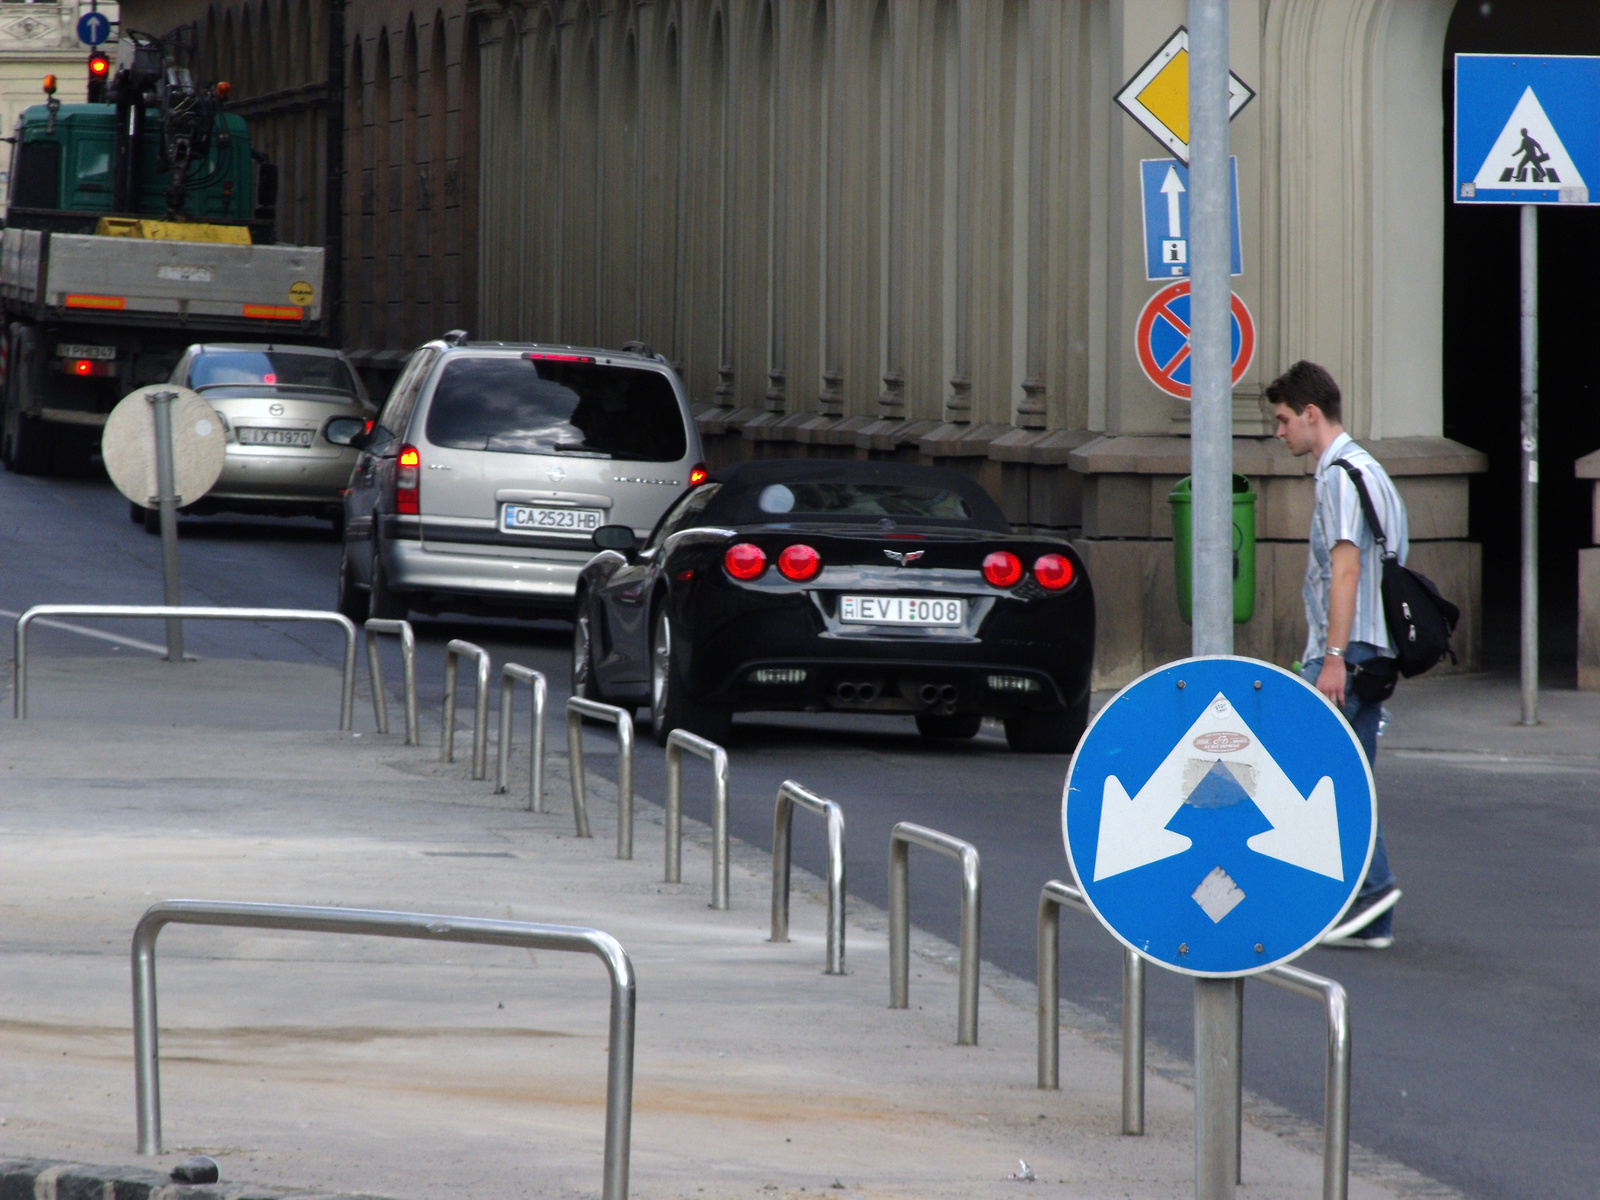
x,y
577,448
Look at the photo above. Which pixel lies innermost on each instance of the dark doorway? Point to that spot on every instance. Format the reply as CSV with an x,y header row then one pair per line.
x,y
1482,354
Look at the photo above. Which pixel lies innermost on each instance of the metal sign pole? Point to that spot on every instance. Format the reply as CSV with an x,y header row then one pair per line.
x,y
1530,464
1216,1001
167,506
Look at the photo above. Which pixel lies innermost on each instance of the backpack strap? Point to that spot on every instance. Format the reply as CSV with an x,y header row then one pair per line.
x,y
1366,503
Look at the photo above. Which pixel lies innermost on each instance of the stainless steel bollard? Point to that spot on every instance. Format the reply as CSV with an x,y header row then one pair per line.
x,y
509,675
678,741
791,796
454,650
1052,899
577,709
901,839
408,668
370,923
19,666
1336,1078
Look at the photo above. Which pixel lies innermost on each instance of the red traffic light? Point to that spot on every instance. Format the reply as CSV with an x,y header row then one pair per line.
x,y
99,65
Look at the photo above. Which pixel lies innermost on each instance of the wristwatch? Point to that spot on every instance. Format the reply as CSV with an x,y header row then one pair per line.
x,y
1333,653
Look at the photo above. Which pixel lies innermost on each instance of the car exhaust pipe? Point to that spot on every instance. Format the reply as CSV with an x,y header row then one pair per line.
x,y
929,693
947,694
866,691
845,691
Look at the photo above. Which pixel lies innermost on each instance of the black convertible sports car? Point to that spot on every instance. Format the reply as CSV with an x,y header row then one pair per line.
x,y
844,586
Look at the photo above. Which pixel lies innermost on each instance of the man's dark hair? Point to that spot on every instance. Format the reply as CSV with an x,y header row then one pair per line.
x,y
1306,383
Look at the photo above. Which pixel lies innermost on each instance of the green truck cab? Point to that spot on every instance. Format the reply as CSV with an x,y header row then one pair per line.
x,y
63,171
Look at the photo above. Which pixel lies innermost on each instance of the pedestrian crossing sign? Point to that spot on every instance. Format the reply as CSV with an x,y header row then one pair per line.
x,y
1158,95
1527,129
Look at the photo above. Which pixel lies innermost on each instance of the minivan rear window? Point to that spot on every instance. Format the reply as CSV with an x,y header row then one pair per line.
x,y
526,406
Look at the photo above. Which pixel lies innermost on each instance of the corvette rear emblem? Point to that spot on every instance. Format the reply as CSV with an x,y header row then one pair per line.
x,y
906,559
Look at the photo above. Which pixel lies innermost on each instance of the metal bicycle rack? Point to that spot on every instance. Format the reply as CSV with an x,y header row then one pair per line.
x,y
454,650
901,838
577,709
792,795
509,675
19,666
1056,896
678,741
422,926
408,666
1336,1084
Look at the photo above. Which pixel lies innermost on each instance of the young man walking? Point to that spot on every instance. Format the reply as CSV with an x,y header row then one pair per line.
x,y
1344,603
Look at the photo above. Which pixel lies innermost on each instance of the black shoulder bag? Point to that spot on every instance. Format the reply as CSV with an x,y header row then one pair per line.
x,y
1420,620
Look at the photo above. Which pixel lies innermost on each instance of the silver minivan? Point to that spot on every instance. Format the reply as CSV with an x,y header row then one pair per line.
x,y
493,463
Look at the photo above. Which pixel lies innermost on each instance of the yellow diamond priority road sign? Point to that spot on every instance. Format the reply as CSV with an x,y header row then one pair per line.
x,y
1158,95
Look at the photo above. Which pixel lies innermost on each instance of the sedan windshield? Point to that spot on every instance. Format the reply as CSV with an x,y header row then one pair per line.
x,y
275,368
543,406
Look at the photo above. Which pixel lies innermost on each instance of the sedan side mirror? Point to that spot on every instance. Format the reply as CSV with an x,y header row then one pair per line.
x,y
615,537
349,431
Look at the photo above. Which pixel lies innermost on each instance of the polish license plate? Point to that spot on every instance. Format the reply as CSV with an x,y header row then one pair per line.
x,y
82,350
536,518
250,435
919,611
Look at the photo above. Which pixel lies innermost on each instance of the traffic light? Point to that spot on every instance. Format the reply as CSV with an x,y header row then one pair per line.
x,y
99,76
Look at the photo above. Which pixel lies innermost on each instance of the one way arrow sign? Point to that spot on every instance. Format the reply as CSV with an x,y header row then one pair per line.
x,y
1219,814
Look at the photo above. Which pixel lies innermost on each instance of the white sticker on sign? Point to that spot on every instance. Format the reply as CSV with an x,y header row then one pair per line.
x,y
186,274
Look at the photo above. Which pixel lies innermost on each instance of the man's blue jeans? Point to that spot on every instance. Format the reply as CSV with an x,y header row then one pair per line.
x,y
1363,719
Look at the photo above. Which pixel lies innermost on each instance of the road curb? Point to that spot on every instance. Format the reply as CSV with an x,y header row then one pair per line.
x,y
43,1179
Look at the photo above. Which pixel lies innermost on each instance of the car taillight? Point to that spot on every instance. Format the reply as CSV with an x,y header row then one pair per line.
x,y
697,474
407,476
1002,568
799,563
1053,571
744,561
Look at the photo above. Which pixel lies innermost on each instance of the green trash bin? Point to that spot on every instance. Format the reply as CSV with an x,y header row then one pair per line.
x,y
1244,548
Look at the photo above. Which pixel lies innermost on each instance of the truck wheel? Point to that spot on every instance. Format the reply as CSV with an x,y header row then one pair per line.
x,y
31,445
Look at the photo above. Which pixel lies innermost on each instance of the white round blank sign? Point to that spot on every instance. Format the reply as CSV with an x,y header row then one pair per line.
x,y
129,445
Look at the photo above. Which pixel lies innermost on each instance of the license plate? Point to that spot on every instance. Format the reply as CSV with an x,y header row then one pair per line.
x,y
535,518
251,436
903,610
79,350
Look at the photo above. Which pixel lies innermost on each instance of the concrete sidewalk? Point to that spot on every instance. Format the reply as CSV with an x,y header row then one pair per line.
x,y
364,1065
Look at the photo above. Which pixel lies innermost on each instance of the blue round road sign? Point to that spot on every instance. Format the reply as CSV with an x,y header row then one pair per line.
x,y
93,28
1219,814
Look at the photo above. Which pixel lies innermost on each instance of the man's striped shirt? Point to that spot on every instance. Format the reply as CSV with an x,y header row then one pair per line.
x,y
1338,518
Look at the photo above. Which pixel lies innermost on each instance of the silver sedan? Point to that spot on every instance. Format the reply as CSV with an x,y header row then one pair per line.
x,y
289,414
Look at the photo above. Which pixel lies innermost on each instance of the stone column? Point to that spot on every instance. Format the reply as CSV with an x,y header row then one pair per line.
x,y
725,185
892,400
777,373
1031,412
835,87
958,404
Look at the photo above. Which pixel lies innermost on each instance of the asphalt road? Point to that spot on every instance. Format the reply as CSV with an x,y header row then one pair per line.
x,y
1477,1038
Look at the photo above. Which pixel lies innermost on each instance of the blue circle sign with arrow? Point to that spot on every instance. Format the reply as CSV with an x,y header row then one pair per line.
x,y
93,28
1219,815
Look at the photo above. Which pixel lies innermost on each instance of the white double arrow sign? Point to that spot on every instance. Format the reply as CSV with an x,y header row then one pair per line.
x,y
1133,832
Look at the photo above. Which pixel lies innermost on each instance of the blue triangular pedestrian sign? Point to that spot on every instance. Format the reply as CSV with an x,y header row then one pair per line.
x,y
1527,129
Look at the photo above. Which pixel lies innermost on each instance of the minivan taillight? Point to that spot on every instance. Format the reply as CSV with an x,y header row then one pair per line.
x,y
407,475
697,475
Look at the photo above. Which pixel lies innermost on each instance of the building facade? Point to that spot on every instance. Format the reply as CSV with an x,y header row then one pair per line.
x,y
369,110
39,39
915,230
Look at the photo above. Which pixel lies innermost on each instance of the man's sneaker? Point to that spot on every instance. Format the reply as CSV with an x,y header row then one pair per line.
x,y
1360,940
1361,913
